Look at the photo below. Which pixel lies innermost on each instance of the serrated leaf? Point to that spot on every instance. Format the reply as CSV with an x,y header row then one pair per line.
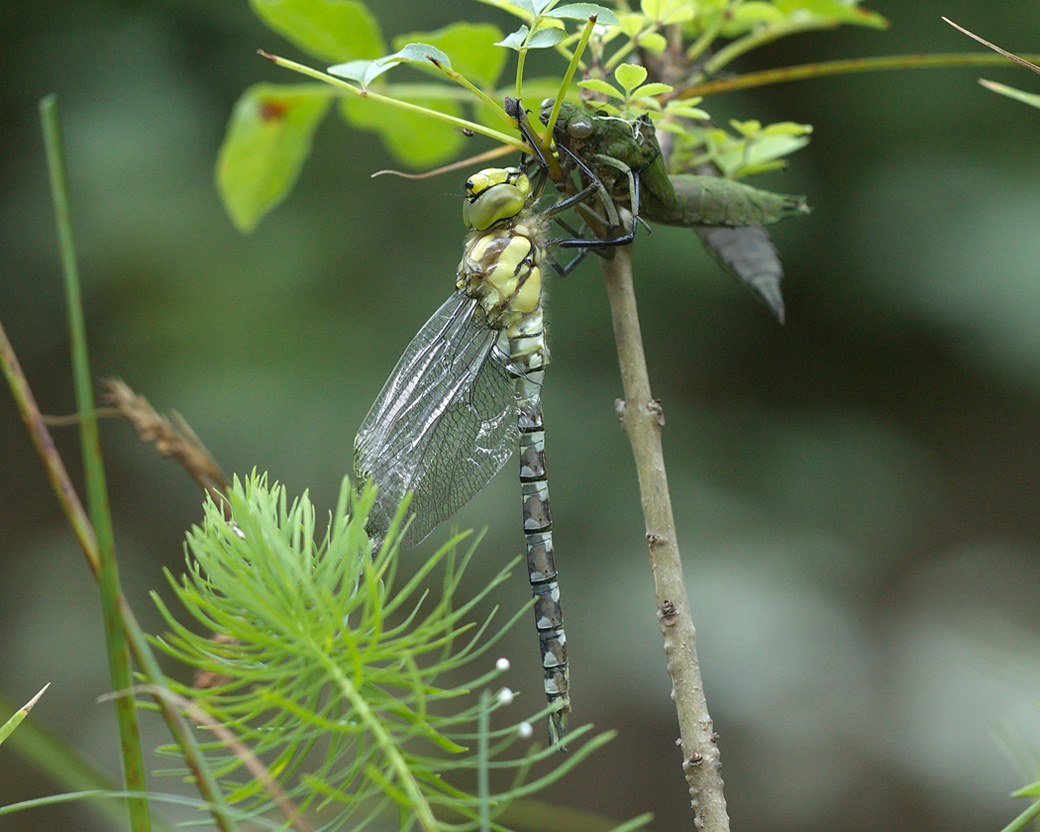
x,y
649,90
546,38
471,47
600,86
416,140
267,141
334,30
630,76
583,11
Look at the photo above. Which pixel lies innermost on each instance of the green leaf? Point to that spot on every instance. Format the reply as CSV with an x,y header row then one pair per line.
x,y
1031,99
514,40
633,23
364,72
417,53
832,11
684,109
267,141
416,140
334,30
1032,790
650,90
600,86
546,38
523,9
751,15
654,42
630,76
667,12
583,11
471,47
19,716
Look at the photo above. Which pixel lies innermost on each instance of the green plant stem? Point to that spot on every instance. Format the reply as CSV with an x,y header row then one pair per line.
x,y
97,490
1024,819
568,76
384,740
846,67
642,419
760,37
403,105
483,786
77,517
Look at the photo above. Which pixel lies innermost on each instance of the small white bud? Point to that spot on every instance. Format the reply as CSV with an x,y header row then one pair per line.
x,y
502,664
525,730
505,697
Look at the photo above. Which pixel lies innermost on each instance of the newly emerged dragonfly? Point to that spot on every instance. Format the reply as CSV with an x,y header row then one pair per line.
x,y
467,391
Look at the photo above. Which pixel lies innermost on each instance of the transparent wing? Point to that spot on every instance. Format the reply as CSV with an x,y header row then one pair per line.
x,y
444,423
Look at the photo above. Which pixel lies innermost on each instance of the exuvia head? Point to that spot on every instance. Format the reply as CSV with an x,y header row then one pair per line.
x,y
494,195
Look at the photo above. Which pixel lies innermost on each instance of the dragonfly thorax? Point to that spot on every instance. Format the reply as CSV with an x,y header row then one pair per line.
x,y
501,269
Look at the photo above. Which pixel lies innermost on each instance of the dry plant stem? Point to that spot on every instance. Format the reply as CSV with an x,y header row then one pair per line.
x,y
77,517
173,439
642,420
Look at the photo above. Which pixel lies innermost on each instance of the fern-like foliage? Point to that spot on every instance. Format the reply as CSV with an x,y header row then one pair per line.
x,y
341,681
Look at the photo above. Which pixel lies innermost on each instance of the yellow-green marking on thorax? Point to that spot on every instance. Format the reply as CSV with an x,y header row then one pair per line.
x,y
500,265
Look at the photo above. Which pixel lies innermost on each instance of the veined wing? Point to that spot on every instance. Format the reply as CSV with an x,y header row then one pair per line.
x,y
444,423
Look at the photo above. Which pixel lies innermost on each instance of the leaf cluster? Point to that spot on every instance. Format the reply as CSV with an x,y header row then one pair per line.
x,y
341,679
461,82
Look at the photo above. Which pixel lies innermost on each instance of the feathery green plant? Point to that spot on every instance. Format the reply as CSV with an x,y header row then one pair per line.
x,y
343,680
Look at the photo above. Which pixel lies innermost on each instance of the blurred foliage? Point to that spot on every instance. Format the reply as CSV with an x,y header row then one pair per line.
x,y
856,491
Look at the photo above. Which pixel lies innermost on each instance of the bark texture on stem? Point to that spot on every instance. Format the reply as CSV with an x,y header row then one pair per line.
x,y
642,419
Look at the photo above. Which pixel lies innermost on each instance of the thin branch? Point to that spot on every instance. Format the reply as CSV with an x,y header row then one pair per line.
x,y
847,66
642,418
1009,55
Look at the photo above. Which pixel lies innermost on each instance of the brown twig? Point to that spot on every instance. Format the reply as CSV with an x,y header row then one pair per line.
x,y
642,418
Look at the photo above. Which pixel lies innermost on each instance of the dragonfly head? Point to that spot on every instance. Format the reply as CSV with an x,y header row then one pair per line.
x,y
494,195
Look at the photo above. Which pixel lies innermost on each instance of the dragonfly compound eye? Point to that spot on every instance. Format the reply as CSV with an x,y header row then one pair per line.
x,y
493,195
579,128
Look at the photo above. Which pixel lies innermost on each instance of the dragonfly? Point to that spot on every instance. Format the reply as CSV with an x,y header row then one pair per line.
x,y
727,215
466,392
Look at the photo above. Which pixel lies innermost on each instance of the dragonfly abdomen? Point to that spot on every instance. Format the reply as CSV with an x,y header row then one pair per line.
x,y
541,560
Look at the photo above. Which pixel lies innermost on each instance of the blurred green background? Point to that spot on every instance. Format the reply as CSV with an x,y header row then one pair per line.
x,y
856,491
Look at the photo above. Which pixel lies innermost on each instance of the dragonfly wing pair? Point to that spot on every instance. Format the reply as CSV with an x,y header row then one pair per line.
x,y
444,423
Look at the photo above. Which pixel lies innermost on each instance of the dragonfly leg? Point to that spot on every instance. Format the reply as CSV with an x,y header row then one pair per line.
x,y
598,242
